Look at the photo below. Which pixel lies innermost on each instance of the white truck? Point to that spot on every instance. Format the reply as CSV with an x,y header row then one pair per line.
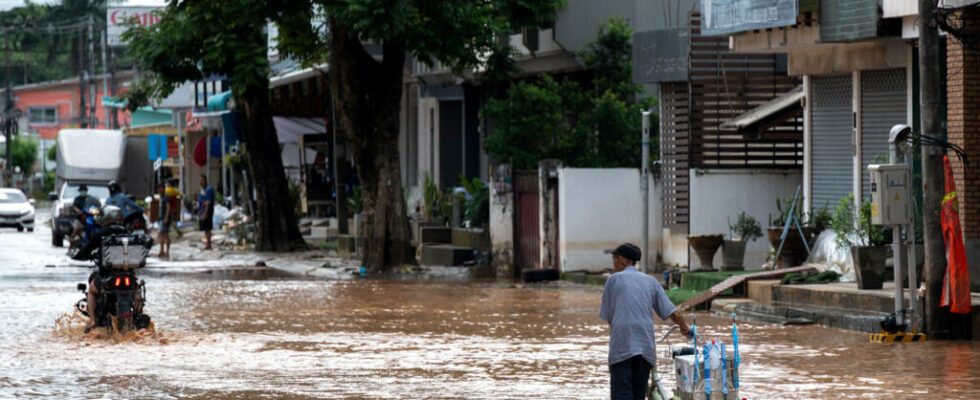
x,y
93,157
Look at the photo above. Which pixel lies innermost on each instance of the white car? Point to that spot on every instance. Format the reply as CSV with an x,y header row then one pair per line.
x,y
16,211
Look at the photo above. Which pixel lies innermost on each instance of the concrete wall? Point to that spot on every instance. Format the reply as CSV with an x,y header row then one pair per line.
x,y
578,22
717,195
600,209
502,221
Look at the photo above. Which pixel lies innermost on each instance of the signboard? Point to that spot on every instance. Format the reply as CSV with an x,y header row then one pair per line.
x,y
157,146
118,19
661,56
722,17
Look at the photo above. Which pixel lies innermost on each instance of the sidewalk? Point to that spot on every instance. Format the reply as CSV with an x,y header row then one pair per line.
x,y
838,305
315,263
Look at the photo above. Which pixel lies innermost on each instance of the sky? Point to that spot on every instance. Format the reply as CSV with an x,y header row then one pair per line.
x,y
8,4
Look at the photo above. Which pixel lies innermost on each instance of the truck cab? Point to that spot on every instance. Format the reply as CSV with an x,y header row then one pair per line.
x,y
90,156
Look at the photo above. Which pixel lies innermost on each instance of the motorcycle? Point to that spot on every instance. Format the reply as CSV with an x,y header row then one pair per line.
x,y
135,223
91,216
121,294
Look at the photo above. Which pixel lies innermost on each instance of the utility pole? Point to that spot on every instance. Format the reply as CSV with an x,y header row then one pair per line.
x,y
645,188
82,120
930,100
91,67
8,109
105,82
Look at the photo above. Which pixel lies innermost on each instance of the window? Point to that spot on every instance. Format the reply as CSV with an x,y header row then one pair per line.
x,y
43,115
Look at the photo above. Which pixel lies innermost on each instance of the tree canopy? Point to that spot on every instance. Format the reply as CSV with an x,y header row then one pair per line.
x,y
23,152
197,40
596,126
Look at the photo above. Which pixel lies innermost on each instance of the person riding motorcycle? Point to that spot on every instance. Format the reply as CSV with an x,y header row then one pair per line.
x,y
118,199
81,203
111,225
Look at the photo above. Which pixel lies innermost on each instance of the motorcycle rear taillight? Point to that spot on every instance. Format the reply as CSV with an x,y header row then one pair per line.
x,y
118,281
121,281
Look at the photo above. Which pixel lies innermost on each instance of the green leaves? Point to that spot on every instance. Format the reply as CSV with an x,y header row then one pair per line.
x,y
598,126
199,39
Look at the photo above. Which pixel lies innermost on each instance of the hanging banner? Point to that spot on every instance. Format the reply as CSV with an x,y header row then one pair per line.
x,y
721,17
956,282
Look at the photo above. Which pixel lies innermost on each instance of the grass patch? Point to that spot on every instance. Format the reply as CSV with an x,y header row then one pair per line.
x,y
678,296
329,245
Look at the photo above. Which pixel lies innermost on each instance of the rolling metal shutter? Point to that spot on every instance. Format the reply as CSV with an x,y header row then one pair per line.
x,y
883,98
833,153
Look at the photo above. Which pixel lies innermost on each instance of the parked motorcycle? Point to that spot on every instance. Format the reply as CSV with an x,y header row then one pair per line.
x,y
121,294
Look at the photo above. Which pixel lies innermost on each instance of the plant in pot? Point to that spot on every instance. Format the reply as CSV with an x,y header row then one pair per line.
x,y
744,230
794,252
868,242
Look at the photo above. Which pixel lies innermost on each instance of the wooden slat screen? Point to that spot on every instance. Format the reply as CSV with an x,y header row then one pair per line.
x,y
725,85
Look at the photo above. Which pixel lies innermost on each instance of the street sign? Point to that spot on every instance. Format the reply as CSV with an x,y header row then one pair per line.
x,y
157,146
157,164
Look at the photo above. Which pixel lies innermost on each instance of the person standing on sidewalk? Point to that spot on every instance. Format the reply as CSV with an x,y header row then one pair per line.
x,y
175,198
166,218
205,210
629,300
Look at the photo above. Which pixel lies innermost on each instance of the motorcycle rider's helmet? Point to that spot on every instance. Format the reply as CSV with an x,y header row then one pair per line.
x,y
111,215
114,188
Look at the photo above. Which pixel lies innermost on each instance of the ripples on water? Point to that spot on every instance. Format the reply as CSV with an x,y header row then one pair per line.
x,y
406,340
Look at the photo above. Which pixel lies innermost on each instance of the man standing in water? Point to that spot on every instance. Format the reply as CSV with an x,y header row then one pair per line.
x,y
628,301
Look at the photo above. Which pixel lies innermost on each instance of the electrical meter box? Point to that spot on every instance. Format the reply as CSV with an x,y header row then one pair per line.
x,y
889,194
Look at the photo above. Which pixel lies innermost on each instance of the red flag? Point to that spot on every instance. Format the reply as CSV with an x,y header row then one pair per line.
x,y
956,283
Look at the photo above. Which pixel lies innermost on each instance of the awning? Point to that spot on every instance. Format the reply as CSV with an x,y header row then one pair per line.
x,y
146,116
288,129
219,102
778,109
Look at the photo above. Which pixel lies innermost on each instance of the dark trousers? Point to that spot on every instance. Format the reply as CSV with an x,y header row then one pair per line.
x,y
629,379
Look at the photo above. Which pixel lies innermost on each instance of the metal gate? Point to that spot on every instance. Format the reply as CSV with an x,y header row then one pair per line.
x,y
526,232
883,98
833,153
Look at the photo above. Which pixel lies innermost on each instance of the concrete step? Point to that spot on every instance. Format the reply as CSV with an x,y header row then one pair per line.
x,y
435,234
474,238
349,245
838,296
779,313
445,254
322,232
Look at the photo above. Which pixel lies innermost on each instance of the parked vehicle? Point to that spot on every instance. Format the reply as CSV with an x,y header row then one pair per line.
x,y
16,210
121,294
90,156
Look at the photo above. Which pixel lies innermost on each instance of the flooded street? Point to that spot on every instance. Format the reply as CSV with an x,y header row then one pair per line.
x,y
266,335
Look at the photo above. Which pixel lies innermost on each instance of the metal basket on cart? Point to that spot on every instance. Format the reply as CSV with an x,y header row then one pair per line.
x,y
710,372
695,387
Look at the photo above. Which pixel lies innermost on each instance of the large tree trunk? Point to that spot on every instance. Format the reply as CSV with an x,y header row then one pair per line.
x,y
277,227
369,98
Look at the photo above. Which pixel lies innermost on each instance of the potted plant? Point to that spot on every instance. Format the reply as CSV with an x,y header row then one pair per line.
x,y
868,242
794,252
744,230
705,246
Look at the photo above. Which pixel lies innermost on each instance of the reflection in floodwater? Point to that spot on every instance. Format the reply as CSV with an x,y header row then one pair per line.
x,y
374,339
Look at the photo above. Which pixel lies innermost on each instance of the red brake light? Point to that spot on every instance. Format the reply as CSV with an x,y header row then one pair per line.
x,y
117,281
127,281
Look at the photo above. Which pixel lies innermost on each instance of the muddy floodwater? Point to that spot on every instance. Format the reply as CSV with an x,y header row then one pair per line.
x,y
264,335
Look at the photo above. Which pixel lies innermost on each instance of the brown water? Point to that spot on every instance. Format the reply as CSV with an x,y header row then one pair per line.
x,y
373,339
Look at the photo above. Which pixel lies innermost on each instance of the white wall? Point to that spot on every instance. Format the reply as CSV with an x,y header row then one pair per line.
x,y
717,195
600,209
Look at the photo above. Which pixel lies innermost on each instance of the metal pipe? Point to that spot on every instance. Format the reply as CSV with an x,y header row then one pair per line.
x,y
897,248
645,188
